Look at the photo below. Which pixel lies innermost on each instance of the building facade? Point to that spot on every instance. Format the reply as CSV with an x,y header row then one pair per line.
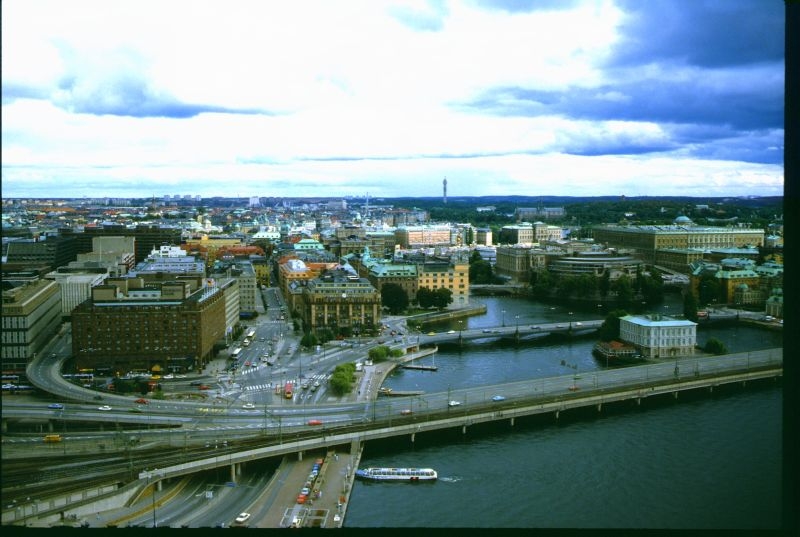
x,y
31,317
659,336
342,302
645,241
144,329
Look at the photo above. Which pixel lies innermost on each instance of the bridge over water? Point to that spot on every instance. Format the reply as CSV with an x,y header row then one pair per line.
x,y
526,398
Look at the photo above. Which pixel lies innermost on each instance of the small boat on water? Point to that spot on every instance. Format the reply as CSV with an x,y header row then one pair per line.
x,y
397,474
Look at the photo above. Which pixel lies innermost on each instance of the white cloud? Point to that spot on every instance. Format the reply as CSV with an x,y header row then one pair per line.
x,y
347,94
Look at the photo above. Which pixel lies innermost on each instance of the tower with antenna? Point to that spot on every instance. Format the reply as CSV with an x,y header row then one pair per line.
x,y
444,191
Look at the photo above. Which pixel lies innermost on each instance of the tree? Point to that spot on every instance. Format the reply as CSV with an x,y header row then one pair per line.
x,y
715,346
308,340
379,353
425,297
341,382
481,272
542,283
609,330
652,289
394,298
690,306
604,285
442,298
623,288
707,289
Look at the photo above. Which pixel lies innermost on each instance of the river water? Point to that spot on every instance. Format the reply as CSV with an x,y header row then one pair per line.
x,y
705,461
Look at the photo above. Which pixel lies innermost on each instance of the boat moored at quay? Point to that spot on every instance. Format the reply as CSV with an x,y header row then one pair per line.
x,y
397,474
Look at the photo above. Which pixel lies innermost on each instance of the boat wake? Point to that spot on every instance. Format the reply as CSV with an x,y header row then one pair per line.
x,y
450,479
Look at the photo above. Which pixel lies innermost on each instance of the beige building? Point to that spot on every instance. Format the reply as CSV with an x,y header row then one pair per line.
x,y
341,302
645,241
452,275
31,317
423,236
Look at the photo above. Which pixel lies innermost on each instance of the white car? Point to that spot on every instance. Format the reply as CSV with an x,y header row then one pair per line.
x,y
248,405
454,403
104,407
242,518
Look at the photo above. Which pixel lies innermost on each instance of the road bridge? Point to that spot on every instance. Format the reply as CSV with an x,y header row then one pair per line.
x,y
554,395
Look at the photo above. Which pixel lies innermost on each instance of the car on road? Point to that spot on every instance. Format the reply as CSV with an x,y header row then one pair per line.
x,y
195,383
56,406
451,331
242,518
135,409
203,387
104,407
454,403
406,412
248,405
496,398
535,327
431,333
141,401
305,490
315,422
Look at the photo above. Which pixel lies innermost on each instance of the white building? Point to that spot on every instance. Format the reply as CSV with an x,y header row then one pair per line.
x,y
659,336
76,288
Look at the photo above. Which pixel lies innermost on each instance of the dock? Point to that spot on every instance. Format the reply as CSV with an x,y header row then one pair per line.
x,y
399,393
421,367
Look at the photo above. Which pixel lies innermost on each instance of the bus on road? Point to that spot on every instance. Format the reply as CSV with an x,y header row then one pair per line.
x,y
251,334
236,352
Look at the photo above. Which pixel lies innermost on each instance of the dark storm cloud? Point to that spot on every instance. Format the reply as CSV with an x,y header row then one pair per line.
x,y
759,106
129,96
705,33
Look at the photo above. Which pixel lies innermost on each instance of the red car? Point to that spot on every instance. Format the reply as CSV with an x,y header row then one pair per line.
x,y
314,422
203,387
141,401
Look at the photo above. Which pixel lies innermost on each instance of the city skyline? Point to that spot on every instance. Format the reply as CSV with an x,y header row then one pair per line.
x,y
587,98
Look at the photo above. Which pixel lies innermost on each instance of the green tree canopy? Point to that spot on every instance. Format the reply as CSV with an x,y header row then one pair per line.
x,y
715,346
394,298
442,298
609,330
690,306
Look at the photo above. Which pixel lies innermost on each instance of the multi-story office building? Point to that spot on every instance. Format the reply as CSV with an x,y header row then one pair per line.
x,y
31,317
450,274
342,302
53,251
595,263
129,326
75,287
483,236
659,336
146,237
645,241
428,236
243,272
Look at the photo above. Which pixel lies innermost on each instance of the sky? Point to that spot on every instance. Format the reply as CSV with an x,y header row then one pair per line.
x,y
388,98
